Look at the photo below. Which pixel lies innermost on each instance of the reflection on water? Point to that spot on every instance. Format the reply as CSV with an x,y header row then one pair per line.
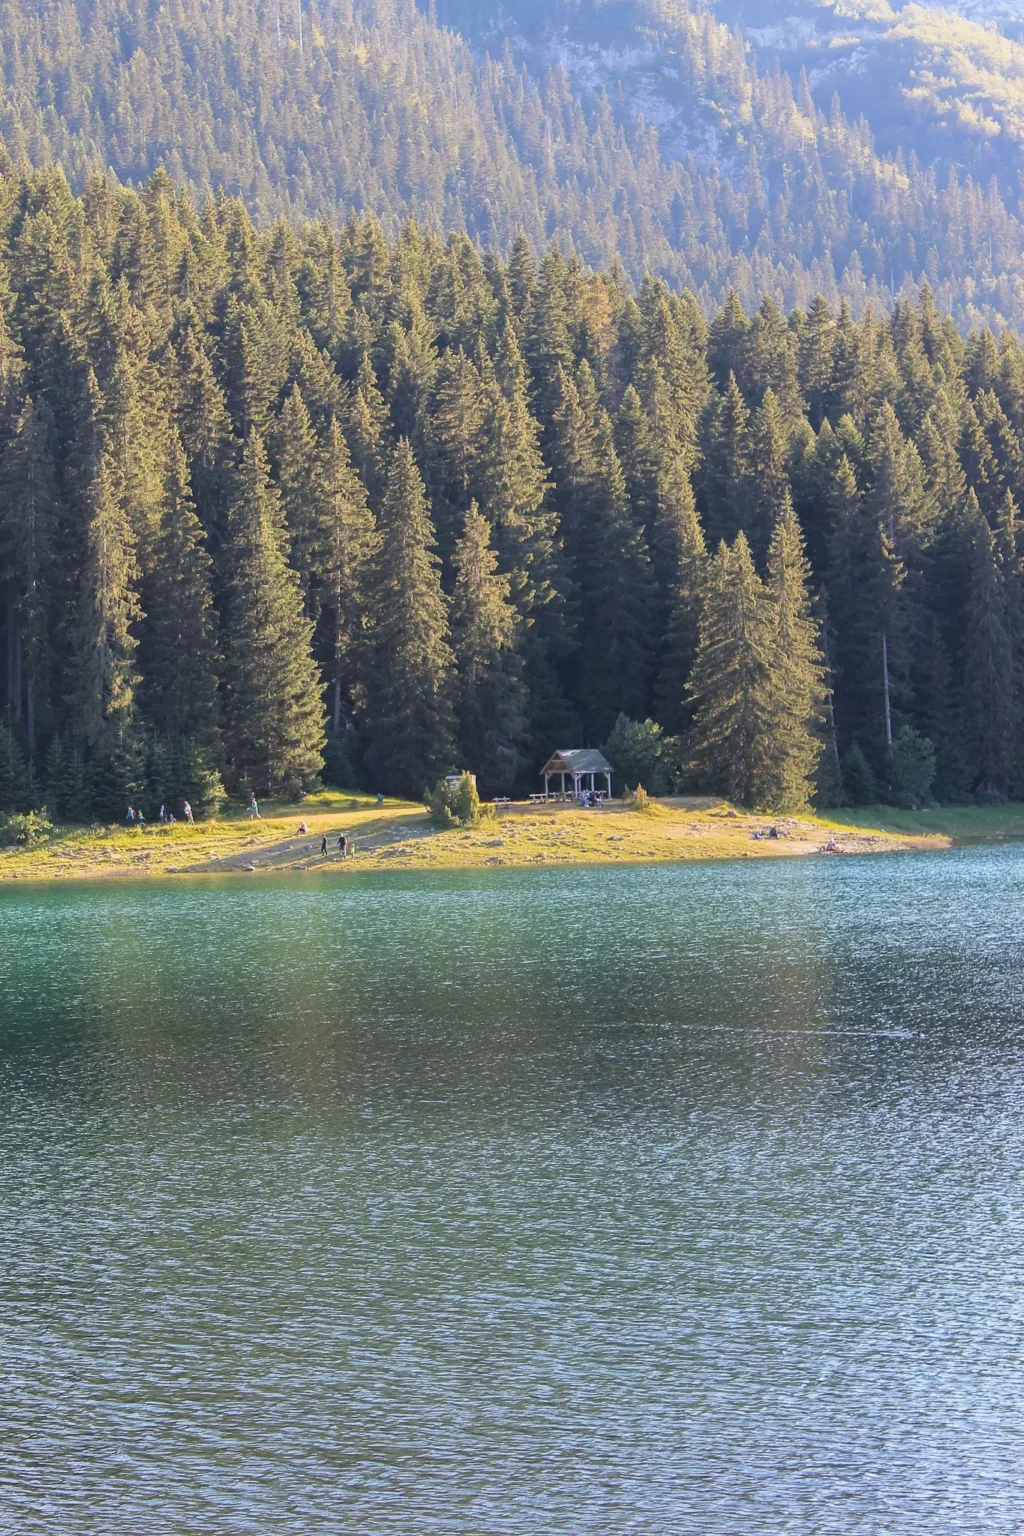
x,y
675,1200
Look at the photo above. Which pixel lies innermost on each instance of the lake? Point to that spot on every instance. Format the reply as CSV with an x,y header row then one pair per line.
x,y
681,1199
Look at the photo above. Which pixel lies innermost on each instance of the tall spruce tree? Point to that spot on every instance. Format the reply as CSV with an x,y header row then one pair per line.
x,y
29,511
178,651
347,543
798,684
104,671
489,693
271,692
408,722
990,702
734,750
682,549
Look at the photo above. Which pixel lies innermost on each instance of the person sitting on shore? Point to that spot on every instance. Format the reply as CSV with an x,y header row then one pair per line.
x,y
832,846
303,829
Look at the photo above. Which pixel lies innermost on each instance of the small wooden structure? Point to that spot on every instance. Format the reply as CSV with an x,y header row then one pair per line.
x,y
579,765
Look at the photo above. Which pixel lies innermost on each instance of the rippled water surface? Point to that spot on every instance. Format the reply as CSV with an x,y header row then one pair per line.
x,y
670,1200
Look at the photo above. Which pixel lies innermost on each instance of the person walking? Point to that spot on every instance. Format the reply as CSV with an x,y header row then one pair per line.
x,y
343,846
140,818
162,818
187,811
323,846
254,810
130,818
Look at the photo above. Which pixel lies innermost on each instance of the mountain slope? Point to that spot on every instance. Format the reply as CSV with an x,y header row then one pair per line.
x,y
311,110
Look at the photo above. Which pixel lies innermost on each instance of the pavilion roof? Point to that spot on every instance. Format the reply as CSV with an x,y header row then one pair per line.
x,y
577,760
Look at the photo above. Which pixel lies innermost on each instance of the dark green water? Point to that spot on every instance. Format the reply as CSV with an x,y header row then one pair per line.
x,y
675,1200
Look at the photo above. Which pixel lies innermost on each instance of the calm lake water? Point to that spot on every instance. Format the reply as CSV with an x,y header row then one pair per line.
x,y
667,1200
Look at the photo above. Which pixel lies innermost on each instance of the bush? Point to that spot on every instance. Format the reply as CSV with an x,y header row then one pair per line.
x,y
458,804
25,829
636,750
858,780
911,767
639,800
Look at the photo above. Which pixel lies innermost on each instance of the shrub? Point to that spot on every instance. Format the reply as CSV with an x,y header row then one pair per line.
x,y
911,766
639,800
457,805
636,750
25,828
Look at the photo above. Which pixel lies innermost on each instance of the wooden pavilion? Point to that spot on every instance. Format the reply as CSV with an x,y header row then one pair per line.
x,y
579,765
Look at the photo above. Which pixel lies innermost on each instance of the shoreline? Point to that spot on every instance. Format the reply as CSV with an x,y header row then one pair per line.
x,y
398,835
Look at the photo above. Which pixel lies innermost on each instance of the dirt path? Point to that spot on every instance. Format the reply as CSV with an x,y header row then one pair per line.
x,y
302,851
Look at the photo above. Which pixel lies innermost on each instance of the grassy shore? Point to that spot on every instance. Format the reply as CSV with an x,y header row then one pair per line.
x,y
398,835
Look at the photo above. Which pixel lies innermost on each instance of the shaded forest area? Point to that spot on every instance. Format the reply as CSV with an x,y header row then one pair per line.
x,y
309,500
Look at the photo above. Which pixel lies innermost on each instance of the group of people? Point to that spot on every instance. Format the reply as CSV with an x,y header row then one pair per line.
x,y
166,818
344,846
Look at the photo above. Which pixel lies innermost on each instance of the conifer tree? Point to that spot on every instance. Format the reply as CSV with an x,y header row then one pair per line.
x,y
733,750
347,543
104,673
767,486
489,693
408,717
990,704
271,700
798,688
298,459
726,453
680,542
178,652
29,511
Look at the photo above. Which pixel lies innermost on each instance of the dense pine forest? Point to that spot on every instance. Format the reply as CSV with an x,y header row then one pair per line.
x,y
312,502
726,178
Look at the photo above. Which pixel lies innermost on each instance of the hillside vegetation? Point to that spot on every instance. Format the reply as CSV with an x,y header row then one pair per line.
x,y
644,134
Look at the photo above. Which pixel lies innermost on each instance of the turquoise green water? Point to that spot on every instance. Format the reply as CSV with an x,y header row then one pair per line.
x,y
669,1200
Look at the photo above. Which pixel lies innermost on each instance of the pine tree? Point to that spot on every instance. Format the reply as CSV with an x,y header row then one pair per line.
x,y
767,486
408,714
29,513
681,549
178,652
989,703
727,444
733,750
489,693
104,674
798,685
347,543
298,478
271,699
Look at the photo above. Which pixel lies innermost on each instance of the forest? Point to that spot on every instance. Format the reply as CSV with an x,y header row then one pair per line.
x,y
310,502
700,168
